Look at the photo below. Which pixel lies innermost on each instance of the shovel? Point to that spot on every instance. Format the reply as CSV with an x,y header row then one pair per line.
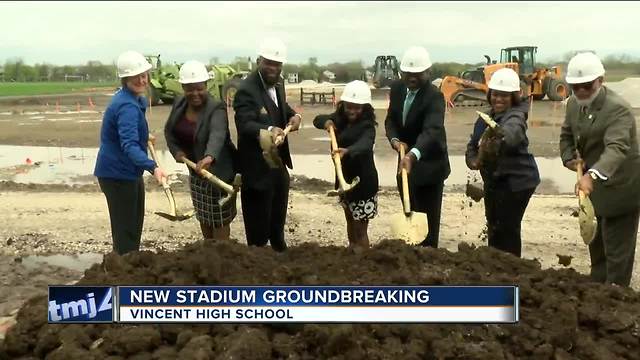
x,y
408,226
173,215
343,186
231,190
269,147
586,213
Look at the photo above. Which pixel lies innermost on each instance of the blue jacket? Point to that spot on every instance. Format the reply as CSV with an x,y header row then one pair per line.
x,y
123,139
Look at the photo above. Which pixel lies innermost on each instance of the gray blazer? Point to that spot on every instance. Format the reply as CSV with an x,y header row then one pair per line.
x,y
607,139
212,137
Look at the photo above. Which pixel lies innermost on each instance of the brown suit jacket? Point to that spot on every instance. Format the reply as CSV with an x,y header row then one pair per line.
x,y
607,139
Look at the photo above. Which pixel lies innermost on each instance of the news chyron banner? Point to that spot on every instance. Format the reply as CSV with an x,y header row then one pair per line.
x,y
289,304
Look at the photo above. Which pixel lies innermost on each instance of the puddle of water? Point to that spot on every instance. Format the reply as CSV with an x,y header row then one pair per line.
x,y
6,113
321,139
36,118
78,262
75,166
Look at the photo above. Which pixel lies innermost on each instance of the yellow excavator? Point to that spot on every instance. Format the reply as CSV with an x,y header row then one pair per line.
x,y
470,87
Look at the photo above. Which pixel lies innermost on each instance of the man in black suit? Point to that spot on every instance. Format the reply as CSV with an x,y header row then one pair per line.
x,y
260,103
415,121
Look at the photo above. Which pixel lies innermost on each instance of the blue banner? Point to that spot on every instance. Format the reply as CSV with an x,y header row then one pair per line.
x,y
84,304
287,296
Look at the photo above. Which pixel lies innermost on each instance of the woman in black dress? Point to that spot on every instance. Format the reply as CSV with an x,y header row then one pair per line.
x,y
355,127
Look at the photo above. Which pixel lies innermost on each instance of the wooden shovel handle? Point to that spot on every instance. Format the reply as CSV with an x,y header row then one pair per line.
x,y
280,138
406,204
154,156
336,158
209,176
579,173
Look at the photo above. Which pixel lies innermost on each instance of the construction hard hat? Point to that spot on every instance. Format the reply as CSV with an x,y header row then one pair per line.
x,y
273,49
357,92
131,63
193,72
416,59
584,67
505,79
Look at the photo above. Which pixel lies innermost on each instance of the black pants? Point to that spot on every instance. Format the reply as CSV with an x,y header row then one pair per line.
x,y
612,251
427,199
504,210
265,211
125,200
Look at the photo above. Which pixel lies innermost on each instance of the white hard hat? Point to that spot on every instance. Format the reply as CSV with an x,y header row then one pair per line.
x,y
416,59
357,92
132,63
273,49
193,72
505,79
583,68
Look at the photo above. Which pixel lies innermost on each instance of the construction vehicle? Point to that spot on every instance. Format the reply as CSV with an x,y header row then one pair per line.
x,y
470,88
164,85
386,70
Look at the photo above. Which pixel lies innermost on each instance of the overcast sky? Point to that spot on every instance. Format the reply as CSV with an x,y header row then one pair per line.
x,y
75,32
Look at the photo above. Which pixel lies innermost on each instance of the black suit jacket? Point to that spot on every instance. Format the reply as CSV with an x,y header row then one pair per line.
x,y
254,111
424,130
359,138
212,137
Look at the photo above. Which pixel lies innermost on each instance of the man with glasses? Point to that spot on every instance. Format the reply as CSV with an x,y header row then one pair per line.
x,y
599,134
415,121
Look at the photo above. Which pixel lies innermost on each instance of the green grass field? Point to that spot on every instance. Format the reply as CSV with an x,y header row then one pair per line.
x,y
48,88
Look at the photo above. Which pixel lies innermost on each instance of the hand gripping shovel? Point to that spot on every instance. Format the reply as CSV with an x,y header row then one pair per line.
x,y
173,215
231,190
270,147
343,186
586,213
408,226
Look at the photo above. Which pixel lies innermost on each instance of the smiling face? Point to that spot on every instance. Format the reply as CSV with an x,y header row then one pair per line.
x,y
138,83
501,100
270,70
353,111
196,94
585,91
415,81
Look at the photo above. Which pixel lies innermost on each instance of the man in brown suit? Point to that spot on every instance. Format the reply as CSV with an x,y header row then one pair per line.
x,y
599,124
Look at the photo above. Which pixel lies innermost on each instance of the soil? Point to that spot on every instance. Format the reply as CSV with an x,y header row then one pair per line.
x,y
563,315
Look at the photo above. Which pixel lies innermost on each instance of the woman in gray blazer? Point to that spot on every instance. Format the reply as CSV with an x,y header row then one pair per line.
x,y
198,129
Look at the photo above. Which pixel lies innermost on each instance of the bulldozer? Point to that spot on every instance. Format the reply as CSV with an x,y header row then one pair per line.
x,y
164,85
386,70
470,87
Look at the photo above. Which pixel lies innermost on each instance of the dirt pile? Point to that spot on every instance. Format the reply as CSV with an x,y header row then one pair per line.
x,y
629,89
563,315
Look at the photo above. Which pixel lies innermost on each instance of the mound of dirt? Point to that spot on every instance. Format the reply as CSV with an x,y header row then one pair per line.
x,y
563,314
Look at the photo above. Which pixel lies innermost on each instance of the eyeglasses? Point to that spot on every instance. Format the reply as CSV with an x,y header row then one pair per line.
x,y
586,86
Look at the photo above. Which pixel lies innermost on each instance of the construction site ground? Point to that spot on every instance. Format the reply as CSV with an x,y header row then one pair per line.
x,y
47,226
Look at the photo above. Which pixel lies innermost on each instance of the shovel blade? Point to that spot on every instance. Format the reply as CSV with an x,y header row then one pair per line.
x,y
587,220
177,217
412,229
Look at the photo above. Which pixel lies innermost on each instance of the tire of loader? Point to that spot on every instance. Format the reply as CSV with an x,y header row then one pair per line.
x,y
525,90
558,90
229,90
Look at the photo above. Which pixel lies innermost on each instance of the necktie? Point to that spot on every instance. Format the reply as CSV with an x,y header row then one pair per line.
x,y
407,105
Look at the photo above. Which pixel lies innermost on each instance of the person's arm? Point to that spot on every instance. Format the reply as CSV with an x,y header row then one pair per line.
x,y
432,136
567,142
514,131
391,127
617,142
218,127
471,155
127,123
320,121
247,114
172,141
365,141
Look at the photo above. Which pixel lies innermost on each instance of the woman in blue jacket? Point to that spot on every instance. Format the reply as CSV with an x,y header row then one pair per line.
x,y
508,170
122,157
